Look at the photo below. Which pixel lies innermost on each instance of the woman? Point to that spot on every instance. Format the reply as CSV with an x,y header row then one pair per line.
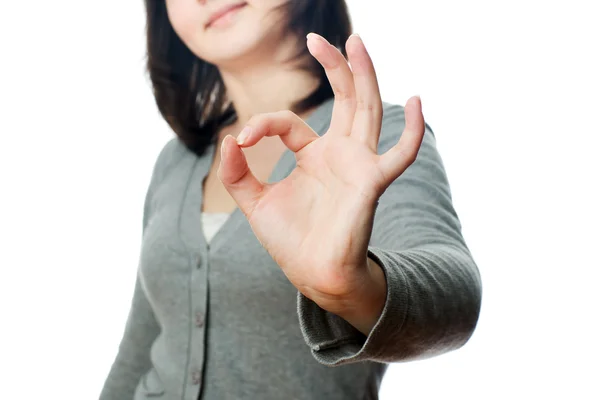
x,y
264,262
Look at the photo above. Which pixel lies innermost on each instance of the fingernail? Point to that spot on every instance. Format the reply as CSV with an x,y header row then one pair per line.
x,y
223,149
243,135
328,57
359,39
317,36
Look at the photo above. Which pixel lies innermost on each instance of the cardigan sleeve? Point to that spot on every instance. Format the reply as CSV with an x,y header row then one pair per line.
x,y
433,284
141,329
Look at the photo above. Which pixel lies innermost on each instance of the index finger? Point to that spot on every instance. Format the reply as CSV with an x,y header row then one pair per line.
x,y
293,131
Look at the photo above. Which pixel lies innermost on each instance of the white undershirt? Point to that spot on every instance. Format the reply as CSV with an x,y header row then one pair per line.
x,y
212,222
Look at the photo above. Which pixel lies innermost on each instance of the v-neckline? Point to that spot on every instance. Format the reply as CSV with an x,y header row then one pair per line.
x,y
203,164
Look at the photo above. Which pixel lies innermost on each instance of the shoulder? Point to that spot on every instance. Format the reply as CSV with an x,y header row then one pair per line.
x,y
171,154
392,110
393,123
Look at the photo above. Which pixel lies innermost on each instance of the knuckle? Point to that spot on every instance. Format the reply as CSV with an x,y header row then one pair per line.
x,y
255,119
371,107
342,94
287,114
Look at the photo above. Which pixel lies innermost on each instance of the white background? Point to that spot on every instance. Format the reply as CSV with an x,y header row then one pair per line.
x,y
511,90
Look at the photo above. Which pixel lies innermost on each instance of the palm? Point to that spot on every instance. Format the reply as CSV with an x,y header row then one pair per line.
x,y
317,222
311,222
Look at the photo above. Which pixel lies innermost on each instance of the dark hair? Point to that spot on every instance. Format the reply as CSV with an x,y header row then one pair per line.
x,y
189,91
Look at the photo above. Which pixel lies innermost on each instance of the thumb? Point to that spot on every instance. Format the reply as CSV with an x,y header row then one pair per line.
x,y
236,176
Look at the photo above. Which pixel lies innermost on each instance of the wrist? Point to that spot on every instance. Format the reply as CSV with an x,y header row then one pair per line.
x,y
364,310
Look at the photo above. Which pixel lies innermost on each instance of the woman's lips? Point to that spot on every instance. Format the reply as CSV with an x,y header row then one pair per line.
x,y
223,14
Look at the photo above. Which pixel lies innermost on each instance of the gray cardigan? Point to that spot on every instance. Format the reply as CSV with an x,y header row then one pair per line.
x,y
223,322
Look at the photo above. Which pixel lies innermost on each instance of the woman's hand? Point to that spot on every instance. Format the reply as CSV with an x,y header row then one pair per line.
x,y
317,222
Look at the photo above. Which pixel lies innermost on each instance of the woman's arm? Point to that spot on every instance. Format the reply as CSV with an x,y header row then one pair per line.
x,y
133,356
141,329
433,285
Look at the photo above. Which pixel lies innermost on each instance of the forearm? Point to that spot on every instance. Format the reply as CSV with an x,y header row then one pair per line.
x,y
432,288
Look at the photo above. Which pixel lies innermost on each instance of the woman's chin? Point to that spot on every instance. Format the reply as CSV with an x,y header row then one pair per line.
x,y
225,60
236,52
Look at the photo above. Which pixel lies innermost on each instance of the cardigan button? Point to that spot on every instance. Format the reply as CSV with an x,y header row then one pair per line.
x,y
199,320
196,377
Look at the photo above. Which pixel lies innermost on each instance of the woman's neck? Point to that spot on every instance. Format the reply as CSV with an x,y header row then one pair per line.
x,y
267,88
